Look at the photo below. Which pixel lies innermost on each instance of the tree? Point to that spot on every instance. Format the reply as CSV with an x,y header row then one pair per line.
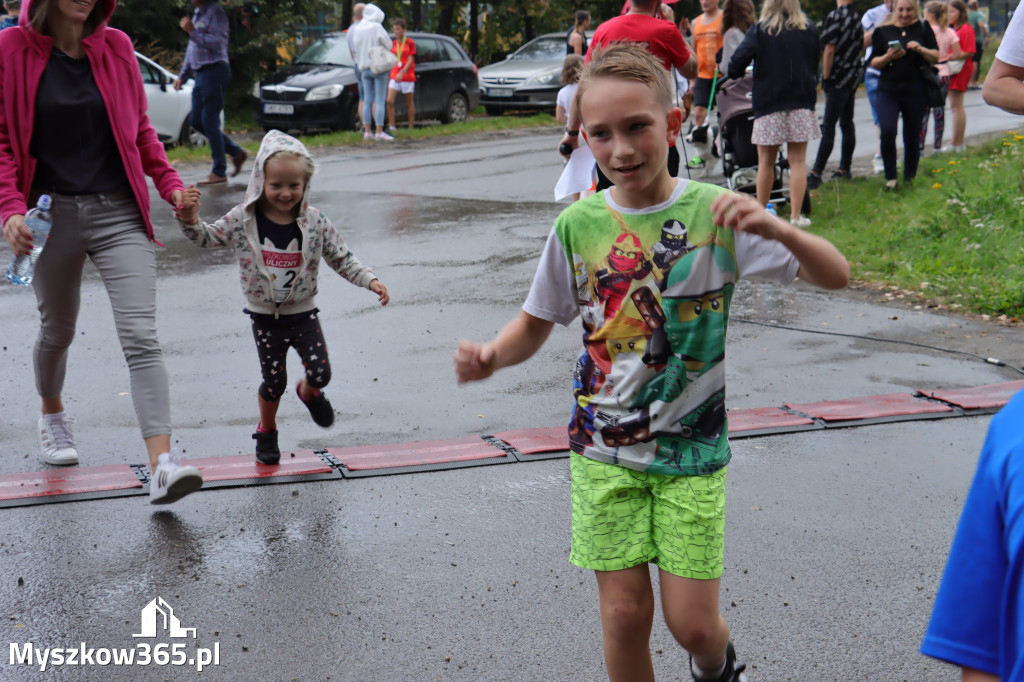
x,y
259,28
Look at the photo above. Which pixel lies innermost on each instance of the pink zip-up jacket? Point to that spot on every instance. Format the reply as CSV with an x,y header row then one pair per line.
x,y
24,54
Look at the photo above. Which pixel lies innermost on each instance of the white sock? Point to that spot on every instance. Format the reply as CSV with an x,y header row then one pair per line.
x,y
164,458
55,417
702,674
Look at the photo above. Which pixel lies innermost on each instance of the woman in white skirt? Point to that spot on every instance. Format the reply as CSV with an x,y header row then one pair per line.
x,y
783,45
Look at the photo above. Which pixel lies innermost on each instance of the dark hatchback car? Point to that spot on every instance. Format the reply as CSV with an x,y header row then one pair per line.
x,y
318,90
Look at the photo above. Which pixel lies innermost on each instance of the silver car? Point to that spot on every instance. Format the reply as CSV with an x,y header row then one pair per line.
x,y
529,78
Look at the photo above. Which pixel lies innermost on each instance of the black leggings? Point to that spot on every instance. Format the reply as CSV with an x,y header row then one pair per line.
x,y
274,338
909,102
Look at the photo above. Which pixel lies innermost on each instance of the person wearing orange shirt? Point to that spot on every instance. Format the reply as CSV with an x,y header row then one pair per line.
x,y
707,41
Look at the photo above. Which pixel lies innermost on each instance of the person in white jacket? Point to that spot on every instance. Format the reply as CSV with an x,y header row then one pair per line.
x,y
362,39
279,240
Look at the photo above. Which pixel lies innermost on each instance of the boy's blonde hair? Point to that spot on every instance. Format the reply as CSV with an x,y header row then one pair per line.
x,y
777,15
628,62
286,154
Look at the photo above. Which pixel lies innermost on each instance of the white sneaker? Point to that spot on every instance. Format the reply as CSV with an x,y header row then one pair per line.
x,y
56,439
383,136
173,480
367,135
877,165
802,221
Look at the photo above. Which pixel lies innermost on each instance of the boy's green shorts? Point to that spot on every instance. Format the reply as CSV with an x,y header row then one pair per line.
x,y
622,518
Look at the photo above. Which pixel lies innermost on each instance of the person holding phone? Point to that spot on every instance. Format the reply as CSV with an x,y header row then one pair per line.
x,y
902,47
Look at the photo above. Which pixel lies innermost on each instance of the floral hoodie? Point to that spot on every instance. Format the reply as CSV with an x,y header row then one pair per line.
x,y
319,240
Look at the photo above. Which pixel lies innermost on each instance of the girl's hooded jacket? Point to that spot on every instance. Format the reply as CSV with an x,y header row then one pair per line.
x,y
24,54
319,240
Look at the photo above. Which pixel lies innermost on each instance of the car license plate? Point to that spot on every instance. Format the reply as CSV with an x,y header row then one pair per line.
x,y
270,108
499,92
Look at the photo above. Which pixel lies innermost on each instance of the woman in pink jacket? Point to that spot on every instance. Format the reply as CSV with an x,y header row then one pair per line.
x,y
73,125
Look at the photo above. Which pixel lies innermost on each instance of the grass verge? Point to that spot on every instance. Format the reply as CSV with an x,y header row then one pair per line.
x,y
952,240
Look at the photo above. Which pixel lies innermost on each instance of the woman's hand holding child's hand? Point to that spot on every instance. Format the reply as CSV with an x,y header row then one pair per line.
x,y
187,209
744,213
381,291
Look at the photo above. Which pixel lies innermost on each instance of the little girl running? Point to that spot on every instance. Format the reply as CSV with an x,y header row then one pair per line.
x,y
279,240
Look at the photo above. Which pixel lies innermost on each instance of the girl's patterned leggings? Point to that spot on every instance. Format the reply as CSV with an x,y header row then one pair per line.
x,y
273,339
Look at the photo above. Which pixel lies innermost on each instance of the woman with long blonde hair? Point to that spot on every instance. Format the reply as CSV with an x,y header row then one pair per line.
x,y
783,45
901,49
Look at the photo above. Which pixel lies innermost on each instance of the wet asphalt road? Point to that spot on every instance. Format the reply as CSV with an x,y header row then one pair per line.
x,y
835,540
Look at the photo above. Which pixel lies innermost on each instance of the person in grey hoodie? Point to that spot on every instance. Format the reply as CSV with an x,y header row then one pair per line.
x,y
368,34
279,240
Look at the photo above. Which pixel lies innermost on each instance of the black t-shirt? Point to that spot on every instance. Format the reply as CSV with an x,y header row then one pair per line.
x,y
71,135
906,69
281,251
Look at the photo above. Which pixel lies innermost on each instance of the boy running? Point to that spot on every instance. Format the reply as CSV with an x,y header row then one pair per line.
x,y
650,266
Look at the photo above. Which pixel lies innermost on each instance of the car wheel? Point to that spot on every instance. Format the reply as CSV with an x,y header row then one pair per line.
x,y
457,109
493,109
185,134
352,122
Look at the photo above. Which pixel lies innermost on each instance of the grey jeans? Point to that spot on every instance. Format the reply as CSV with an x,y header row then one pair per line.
x,y
109,229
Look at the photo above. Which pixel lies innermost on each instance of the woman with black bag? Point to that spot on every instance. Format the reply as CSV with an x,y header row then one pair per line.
x,y
905,49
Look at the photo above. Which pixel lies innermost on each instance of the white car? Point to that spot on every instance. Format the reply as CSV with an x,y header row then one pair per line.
x,y
169,110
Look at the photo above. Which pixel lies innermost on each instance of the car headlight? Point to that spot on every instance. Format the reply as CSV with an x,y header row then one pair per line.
x,y
256,90
549,77
324,92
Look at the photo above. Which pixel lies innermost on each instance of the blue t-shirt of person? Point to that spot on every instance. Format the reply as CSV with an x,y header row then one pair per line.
x,y
978,617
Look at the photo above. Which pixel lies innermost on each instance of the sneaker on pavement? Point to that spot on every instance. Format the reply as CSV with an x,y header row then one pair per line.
x,y
267,451
173,479
877,165
319,407
813,180
56,439
383,136
732,672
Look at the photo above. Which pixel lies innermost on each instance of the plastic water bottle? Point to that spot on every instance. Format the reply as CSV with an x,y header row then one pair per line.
x,y
39,221
771,209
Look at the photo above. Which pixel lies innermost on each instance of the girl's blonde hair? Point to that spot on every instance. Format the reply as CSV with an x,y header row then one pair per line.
x,y
41,12
937,8
779,15
287,155
891,17
571,69
628,62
